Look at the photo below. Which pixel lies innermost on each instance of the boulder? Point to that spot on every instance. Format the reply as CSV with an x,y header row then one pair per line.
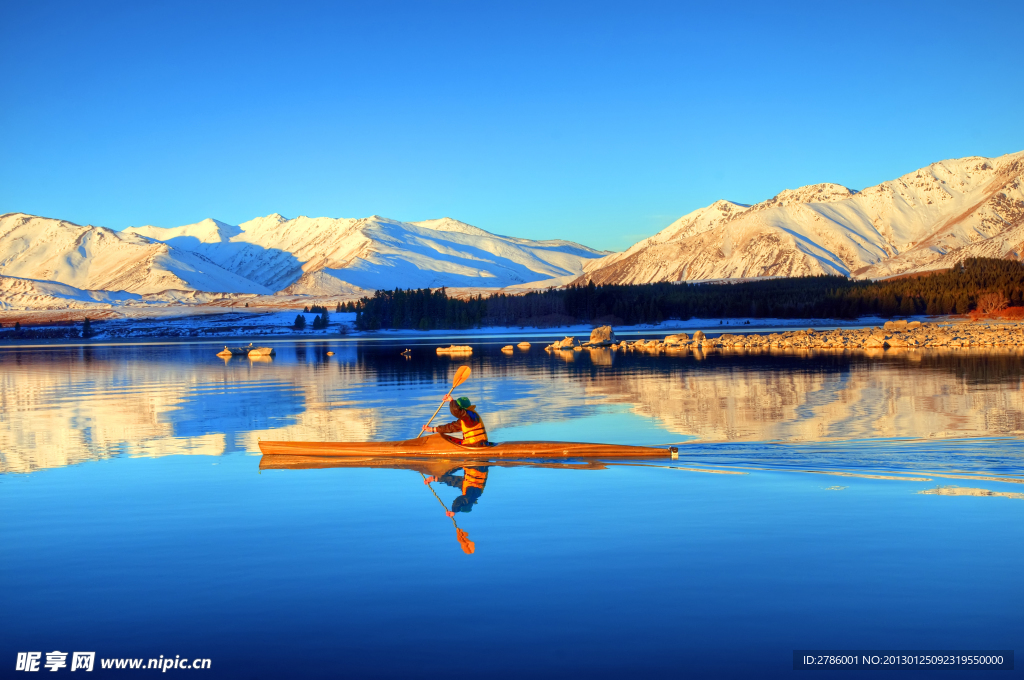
x,y
899,325
455,349
698,337
567,343
677,339
913,324
601,336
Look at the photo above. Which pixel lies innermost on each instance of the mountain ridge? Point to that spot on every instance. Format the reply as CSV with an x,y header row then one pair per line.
x,y
930,218
933,217
274,254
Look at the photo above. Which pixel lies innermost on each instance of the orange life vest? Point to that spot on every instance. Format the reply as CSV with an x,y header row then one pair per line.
x,y
473,478
474,434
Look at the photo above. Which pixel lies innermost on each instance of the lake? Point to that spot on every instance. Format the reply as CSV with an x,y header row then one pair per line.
x,y
818,502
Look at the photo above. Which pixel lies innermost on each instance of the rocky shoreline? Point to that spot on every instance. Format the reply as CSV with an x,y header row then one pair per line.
x,y
893,335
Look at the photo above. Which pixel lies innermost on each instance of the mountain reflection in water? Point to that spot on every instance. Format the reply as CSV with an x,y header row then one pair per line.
x,y
64,405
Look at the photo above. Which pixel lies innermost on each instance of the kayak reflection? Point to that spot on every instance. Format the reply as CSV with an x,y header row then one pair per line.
x,y
470,483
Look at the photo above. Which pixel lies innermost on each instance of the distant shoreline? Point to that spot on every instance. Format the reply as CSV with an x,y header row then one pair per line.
x,y
264,327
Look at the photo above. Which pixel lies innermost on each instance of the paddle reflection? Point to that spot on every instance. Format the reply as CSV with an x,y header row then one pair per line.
x,y
470,482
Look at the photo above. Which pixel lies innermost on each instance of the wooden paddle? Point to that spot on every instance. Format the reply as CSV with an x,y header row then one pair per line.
x,y
467,545
461,376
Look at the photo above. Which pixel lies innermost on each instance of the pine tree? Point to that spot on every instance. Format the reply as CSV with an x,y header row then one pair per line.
x,y
86,328
300,322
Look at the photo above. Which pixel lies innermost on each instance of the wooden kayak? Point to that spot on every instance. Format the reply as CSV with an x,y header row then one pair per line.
x,y
439,445
428,465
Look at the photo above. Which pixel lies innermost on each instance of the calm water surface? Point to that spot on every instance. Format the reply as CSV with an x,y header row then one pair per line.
x,y
818,501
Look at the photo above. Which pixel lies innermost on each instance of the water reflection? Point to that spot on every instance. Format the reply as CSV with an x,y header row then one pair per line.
x,y
469,477
824,397
470,484
64,405
970,491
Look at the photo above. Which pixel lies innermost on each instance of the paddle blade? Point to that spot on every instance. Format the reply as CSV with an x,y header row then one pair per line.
x,y
468,546
461,376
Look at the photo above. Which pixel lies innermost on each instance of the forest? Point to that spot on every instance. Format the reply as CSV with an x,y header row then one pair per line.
x,y
979,284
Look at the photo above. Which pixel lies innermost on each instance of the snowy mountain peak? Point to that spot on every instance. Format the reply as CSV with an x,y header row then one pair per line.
x,y
304,255
96,258
451,225
930,218
700,220
268,222
812,193
206,231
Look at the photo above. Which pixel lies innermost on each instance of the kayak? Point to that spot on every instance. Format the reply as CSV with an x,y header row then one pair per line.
x,y
439,445
428,465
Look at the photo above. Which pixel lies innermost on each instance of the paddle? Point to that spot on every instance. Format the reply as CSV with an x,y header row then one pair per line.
x,y
467,545
460,377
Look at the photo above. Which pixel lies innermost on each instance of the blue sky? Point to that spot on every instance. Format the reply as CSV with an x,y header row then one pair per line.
x,y
596,122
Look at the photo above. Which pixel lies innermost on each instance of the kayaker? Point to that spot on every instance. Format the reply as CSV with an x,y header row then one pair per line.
x,y
471,483
469,422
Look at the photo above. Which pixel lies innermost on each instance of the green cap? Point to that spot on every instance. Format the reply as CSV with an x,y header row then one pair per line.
x,y
463,402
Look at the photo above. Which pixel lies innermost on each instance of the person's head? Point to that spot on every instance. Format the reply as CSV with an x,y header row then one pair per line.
x,y
464,402
462,504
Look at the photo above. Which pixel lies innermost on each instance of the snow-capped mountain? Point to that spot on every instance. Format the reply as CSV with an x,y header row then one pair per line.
x,y
928,219
18,293
327,256
95,258
272,254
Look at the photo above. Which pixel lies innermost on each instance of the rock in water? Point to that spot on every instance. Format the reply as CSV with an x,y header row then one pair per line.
x,y
601,336
455,349
698,337
568,343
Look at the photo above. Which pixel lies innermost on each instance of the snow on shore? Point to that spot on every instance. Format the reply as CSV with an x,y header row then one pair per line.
x,y
213,322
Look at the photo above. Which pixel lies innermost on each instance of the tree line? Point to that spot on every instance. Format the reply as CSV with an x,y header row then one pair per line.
x,y
995,283
320,321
